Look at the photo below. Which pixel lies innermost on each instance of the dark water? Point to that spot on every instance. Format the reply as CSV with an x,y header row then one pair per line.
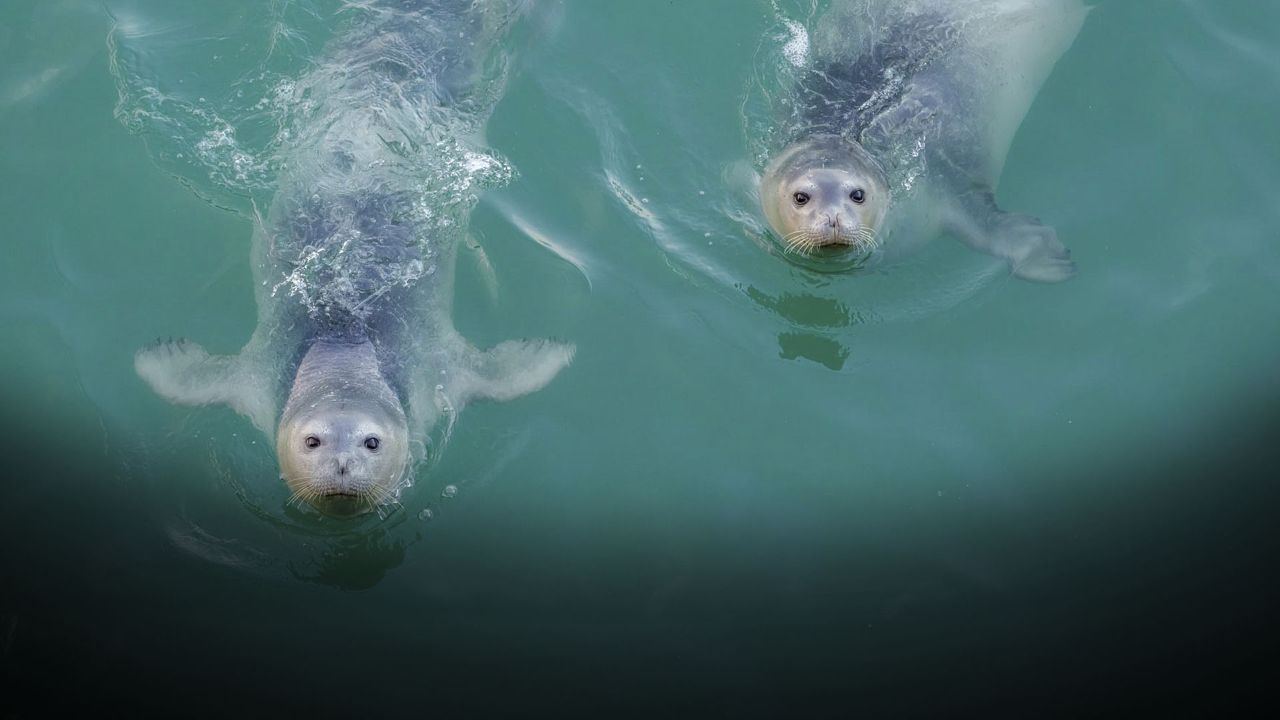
x,y
758,490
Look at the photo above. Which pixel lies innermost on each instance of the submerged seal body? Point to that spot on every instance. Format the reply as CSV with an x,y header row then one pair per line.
x,y
900,124
355,360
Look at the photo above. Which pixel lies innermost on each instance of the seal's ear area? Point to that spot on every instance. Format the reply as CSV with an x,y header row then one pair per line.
x,y
182,372
513,368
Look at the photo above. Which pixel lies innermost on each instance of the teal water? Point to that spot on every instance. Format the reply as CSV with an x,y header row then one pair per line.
x,y
757,489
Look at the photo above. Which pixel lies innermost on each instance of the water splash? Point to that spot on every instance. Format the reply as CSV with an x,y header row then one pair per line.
x,y
796,49
354,127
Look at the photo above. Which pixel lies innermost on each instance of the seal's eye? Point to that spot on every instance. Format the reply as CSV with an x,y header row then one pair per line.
x,y
312,442
801,198
371,443
858,196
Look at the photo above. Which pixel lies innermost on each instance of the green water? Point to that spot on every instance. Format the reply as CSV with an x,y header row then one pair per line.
x,y
758,489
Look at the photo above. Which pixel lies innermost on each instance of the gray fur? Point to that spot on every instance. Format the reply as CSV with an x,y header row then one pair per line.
x,y
353,264
934,90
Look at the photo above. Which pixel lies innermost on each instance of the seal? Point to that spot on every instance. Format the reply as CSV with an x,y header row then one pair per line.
x,y
355,363
900,125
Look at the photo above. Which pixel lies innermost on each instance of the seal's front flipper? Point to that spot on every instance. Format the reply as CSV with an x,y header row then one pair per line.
x,y
513,368
182,372
1031,248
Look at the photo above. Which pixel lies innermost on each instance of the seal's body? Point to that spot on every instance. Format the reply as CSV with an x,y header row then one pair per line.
x,y
900,125
355,359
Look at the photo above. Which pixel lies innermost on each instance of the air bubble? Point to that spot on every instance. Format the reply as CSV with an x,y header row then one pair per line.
x,y
449,491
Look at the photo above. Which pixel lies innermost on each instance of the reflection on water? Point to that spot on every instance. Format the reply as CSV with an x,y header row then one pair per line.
x,y
810,311
822,350
345,555
354,561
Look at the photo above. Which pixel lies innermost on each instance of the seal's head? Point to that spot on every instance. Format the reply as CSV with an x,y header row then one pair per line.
x,y
825,192
343,440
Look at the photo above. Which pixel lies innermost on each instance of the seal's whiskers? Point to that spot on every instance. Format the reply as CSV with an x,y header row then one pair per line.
x,y
867,239
798,241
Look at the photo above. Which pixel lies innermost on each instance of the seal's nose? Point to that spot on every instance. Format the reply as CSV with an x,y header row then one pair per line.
x,y
833,220
344,463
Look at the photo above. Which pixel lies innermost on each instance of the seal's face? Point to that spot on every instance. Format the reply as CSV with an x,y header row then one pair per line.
x,y
343,460
824,193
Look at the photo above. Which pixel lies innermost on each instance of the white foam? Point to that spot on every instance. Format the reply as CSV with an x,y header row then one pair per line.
x,y
797,48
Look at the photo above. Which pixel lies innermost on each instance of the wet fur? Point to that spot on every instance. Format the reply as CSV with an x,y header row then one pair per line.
x,y
934,91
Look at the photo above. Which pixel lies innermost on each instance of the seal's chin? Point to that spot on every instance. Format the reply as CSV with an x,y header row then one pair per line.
x,y
828,252
337,497
825,241
342,504
836,240
835,249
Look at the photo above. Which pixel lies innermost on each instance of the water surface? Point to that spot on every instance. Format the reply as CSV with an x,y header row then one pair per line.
x,y
758,488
